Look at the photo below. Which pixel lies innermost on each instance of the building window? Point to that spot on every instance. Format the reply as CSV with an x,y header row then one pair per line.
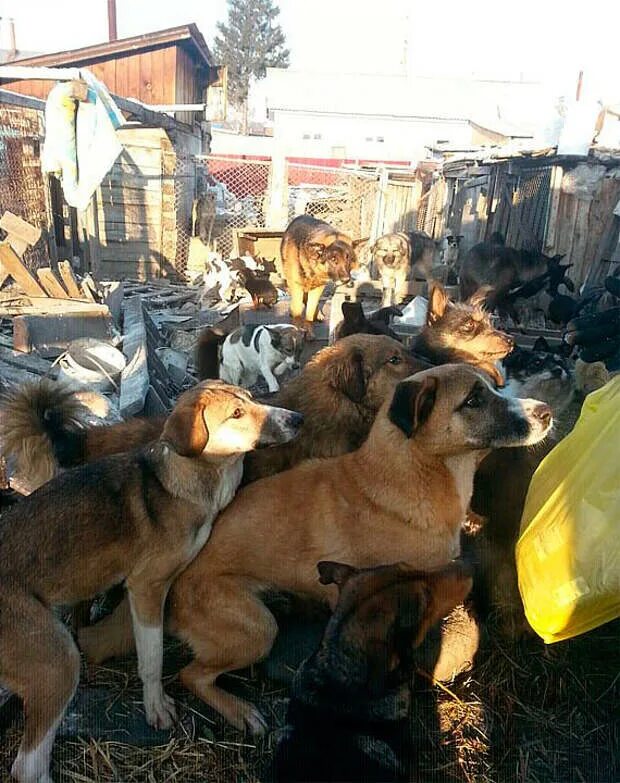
x,y
380,139
317,137
306,136
368,138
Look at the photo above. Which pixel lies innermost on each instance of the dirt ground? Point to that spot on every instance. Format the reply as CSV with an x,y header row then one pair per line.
x,y
526,713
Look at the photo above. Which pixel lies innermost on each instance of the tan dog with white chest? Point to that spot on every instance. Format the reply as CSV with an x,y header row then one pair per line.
x,y
402,496
137,518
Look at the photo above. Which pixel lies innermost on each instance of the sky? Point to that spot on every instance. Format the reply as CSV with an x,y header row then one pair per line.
x,y
543,40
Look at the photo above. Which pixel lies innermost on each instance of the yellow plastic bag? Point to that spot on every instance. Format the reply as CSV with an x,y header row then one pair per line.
x,y
568,553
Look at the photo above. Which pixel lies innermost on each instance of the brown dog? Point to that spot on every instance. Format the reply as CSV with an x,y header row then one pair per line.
x,y
461,332
313,253
402,496
349,718
136,518
339,391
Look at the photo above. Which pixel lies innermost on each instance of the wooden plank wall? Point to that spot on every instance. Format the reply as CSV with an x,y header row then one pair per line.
x,y
187,88
150,76
133,211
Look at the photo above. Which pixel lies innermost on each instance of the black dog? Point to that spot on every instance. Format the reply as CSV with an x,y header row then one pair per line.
x,y
262,291
349,714
355,322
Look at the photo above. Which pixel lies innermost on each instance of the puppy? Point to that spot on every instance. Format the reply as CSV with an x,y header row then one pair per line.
x,y
253,350
313,253
262,291
219,282
137,518
391,255
355,322
361,508
351,702
461,332
339,391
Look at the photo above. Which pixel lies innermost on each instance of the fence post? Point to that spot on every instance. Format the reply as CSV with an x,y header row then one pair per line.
x,y
277,211
378,227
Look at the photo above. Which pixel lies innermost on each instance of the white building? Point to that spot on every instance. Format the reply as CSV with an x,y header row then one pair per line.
x,y
372,117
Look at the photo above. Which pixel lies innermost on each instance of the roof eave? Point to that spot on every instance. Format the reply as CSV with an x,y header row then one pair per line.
x,y
172,35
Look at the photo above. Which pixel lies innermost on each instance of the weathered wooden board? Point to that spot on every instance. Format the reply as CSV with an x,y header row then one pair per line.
x,y
11,263
135,380
50,283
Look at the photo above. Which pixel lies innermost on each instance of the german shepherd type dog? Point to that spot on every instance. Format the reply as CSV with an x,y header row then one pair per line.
x,y
313,253
461,331
403,495
136,518
349,718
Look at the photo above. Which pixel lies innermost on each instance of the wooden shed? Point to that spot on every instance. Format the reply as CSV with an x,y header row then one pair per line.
x,y
172,66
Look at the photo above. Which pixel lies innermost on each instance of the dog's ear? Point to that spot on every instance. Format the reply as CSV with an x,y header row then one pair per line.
x,y
332,573
541,345
359,242
437,304
445,590
412,404
186,430
276,338
349,376
353,312
479,297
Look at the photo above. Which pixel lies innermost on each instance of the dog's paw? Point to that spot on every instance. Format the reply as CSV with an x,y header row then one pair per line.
x,y
319,317
160,710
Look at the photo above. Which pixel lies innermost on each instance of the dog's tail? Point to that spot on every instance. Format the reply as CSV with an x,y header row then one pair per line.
x,y
207,353
40,423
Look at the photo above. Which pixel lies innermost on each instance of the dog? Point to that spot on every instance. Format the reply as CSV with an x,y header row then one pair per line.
x,y
219,281
540,373
254,350
137,518
461,331
351,702
313,254
355,321
402,496
391,256
263,292
399,256
339,392
505,269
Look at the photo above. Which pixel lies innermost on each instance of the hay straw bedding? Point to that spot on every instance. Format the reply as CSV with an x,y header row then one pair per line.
x,y
525,713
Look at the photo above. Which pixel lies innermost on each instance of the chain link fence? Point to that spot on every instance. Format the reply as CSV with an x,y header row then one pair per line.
x,y
22,186
241,191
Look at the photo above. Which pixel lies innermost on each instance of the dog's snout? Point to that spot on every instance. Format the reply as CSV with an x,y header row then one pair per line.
x,y
543,414
510,343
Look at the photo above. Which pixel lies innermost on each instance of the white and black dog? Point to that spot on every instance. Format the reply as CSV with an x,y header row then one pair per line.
x,y
254,350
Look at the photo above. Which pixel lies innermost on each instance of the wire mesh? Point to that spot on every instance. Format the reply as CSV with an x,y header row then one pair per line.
x,y
22,185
